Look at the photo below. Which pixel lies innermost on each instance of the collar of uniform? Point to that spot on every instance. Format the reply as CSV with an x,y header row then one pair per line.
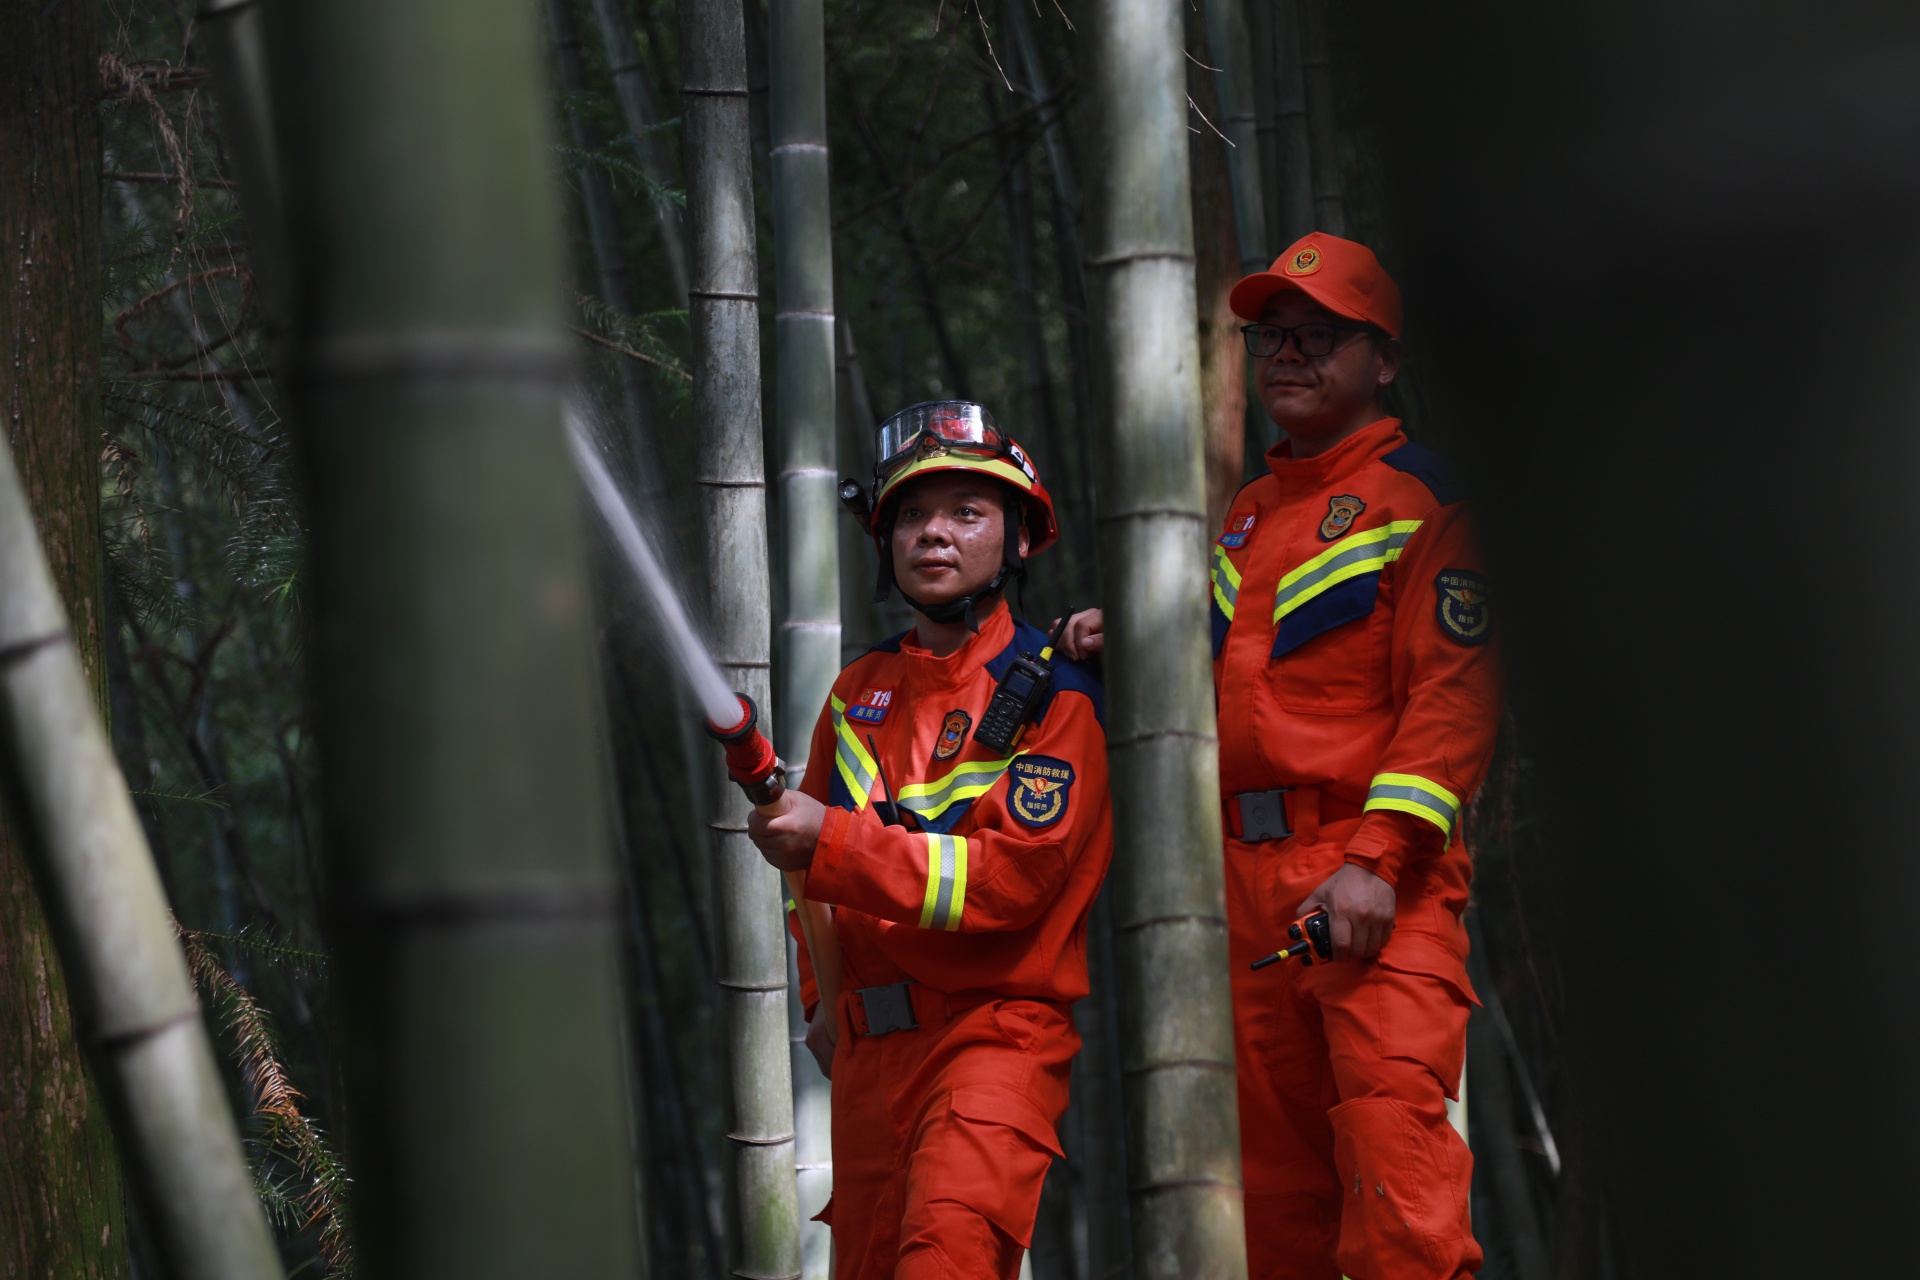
x,y
931,670
1345,458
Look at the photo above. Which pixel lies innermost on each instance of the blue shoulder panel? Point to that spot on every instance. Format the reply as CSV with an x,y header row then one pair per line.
x,y
890,645
1430,468
1067,674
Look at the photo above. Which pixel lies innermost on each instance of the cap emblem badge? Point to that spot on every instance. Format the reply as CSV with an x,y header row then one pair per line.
x,y
1305,260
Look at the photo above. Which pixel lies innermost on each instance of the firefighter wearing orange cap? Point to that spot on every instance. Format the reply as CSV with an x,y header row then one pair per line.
x,y
1358,703
961,831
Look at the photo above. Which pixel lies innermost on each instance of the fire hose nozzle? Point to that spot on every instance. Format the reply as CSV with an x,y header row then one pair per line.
x,y
751,759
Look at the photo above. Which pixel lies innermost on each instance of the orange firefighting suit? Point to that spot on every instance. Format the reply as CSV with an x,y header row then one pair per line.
x,y
942,1134
1351,663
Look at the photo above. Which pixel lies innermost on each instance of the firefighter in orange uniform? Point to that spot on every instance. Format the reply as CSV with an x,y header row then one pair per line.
x,y
961,870
1358,703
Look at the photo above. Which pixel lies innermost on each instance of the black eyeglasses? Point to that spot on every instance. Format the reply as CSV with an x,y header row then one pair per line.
x,y
1314,340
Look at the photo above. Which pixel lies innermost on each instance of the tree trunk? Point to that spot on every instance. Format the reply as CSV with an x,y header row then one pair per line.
x,y
1217,267
59,1185
803,326
752,963
1229,53
1075,493
1293,145
862,622
132,998
636,109
1041,433
1323,139
1265,62
1183,1137
471,897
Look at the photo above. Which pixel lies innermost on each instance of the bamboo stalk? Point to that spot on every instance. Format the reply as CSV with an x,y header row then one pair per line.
x,y
603,234
1076,494
1265,64
471,891
1229,50
1293,143
133,999
1168,878
1323,138
636,109
724,318
803,324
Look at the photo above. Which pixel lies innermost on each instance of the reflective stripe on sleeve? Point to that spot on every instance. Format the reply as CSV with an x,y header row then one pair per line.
x,y
1226,581
1360,553
850,756
946,882
1421,797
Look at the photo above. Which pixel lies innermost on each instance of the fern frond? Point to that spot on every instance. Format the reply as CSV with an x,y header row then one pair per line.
x,y
283,1126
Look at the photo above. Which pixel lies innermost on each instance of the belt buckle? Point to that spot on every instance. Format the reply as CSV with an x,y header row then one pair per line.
x,y
888,1009
1263,815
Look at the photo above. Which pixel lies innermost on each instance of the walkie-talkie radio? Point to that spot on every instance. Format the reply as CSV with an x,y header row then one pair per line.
x,y
1022,689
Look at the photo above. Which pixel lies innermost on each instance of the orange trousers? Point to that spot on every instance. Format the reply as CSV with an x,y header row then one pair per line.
x,y
1351,1166
942,1137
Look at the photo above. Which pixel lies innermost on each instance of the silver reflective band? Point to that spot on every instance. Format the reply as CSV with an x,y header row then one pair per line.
x,y
953,421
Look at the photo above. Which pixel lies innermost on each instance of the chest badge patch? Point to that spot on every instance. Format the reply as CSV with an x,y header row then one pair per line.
x,y
1239,529
1038,796
871,707
1342,511
1465,608
953,735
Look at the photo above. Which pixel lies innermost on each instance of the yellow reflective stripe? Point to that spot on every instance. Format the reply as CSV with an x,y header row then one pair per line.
x,y
1226,581
931,799
959,903
1421,797
1360,553
946,895
951,462
856,766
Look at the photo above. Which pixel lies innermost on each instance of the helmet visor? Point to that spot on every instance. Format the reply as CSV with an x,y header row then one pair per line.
x,y
938,426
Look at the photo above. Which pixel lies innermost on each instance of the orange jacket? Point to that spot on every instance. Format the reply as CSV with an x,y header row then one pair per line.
x,y
988,887
1350,630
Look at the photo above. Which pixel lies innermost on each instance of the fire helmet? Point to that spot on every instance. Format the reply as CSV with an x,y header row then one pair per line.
x,y
952,435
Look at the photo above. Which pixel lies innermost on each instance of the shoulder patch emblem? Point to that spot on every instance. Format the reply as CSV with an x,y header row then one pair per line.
x,y
953,735
1239,529
871,707
1305,261
1342,511
1465,609
1038,796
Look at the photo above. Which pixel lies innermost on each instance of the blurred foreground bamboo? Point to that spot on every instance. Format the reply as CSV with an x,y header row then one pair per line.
x,y
471,899
132,997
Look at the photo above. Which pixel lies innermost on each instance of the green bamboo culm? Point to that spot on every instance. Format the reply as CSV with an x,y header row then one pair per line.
x,y
725,323
803,327
636,111
470,887
1293,148
1323,138
1183,1140
1230,49
132,997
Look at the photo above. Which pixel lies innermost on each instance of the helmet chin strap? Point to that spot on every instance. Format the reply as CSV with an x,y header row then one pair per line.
x,y
961,610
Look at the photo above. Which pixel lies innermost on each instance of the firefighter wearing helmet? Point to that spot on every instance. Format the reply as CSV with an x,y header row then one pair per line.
x,y
956,819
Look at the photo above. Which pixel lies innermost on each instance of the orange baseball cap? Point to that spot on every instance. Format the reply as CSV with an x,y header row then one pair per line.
x,y
1340,275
